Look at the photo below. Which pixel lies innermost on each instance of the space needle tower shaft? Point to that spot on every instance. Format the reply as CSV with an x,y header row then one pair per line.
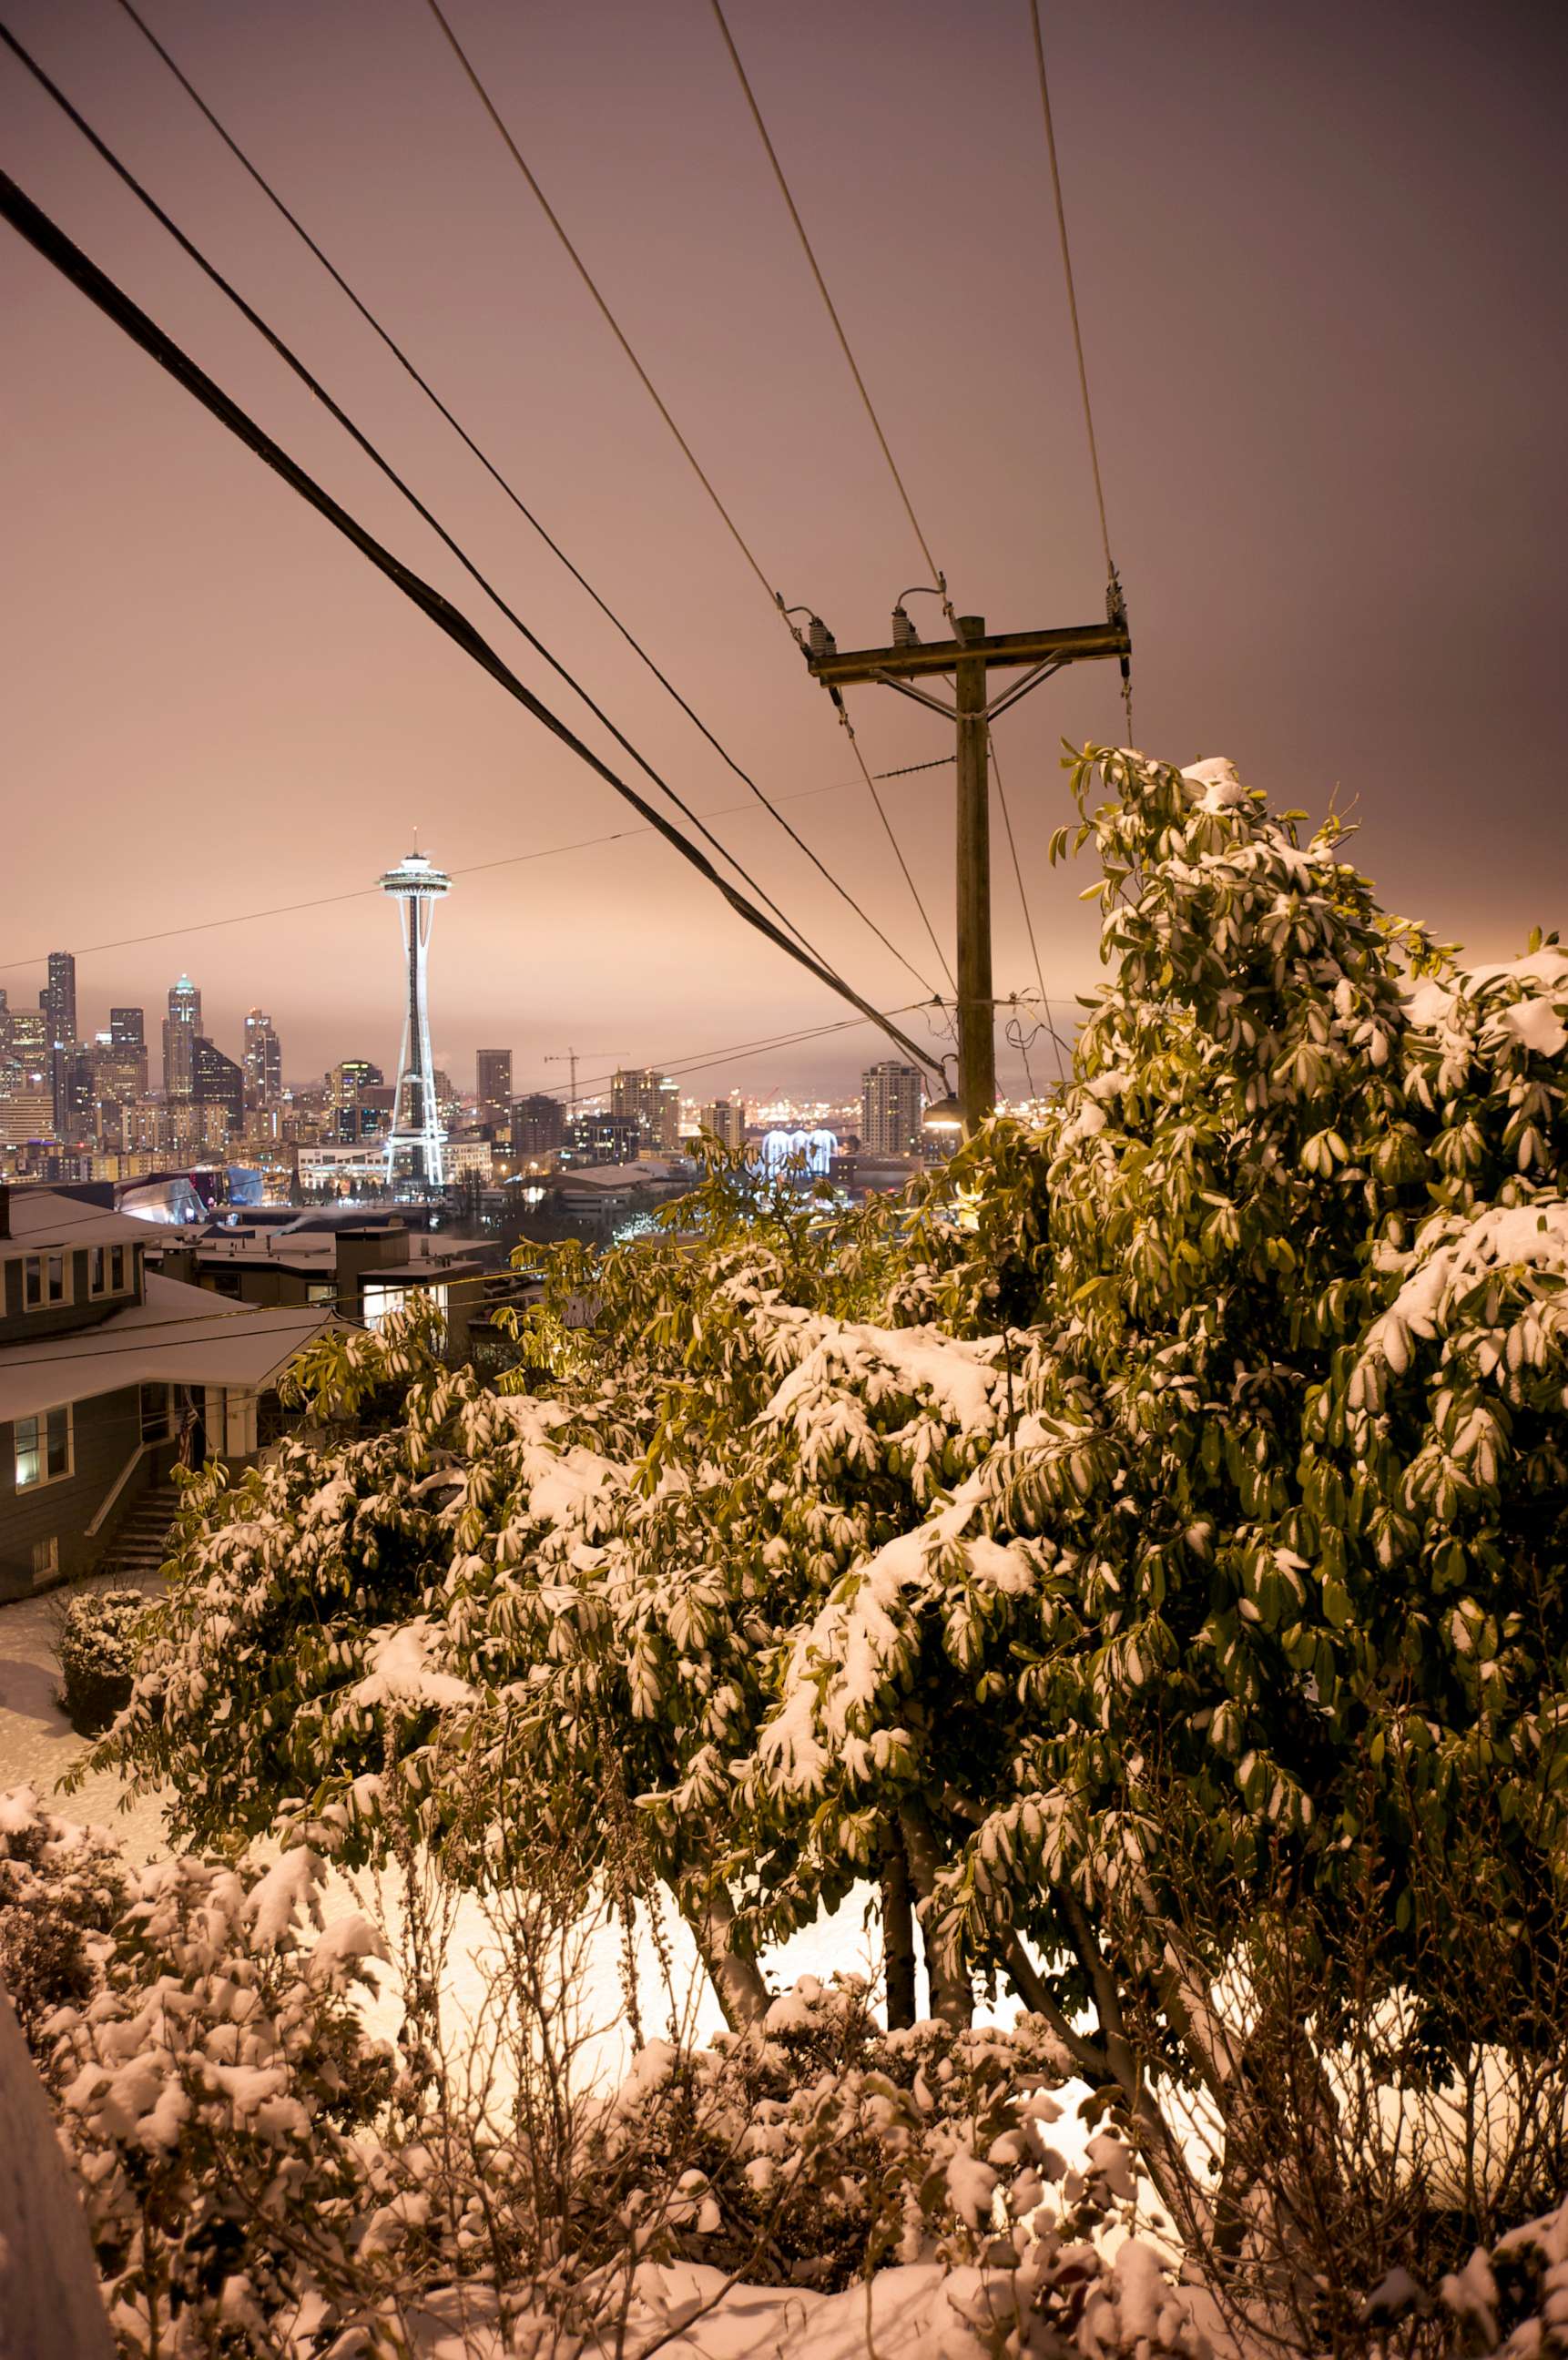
x,y
415,1141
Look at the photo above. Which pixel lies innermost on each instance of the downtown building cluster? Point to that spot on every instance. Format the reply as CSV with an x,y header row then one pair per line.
x,y
137,1099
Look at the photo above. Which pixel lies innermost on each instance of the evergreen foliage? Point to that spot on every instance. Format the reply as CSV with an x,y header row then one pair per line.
x,y
1170,1492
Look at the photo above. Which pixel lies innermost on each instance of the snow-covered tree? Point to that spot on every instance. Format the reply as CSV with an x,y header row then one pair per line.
x,y
1174,1486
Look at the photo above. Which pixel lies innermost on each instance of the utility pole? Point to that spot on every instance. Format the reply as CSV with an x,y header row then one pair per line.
x,y
970,657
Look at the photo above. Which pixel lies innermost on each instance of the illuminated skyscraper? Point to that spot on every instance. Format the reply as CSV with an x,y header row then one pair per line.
x,y
181,1027
494,1090
263,1060
654,1099
891,1096
415,1139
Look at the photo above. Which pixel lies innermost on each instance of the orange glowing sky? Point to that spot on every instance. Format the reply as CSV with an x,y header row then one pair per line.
x,y
1319,255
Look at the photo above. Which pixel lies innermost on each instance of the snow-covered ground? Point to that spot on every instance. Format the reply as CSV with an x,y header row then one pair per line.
x,y
37,1746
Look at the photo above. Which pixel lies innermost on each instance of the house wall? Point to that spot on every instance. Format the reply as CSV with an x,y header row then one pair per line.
x,y
18,1325
105,1430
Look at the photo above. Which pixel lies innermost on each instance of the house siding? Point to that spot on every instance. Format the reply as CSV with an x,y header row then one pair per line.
x,y
106,1429
83,1312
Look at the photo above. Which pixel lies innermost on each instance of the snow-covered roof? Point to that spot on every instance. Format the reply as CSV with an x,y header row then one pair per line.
x,y
180,1335
43,1219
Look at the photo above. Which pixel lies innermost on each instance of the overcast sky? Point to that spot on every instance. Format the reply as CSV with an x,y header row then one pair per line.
x,y
1319,252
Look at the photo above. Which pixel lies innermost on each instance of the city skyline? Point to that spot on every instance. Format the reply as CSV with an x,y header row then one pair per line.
x,y
1292,397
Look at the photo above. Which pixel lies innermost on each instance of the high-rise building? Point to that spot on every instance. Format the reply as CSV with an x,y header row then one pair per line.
x,y
416,1136
604,1137
217,1084
890,1098
538,1125
726,1117
349,1076
26,1040
119,1071
127,1028
181,1028
263,1061
57,1003
654,1099
494,1090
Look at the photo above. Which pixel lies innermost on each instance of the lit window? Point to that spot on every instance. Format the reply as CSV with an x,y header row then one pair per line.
x,y
45,1280
42,1448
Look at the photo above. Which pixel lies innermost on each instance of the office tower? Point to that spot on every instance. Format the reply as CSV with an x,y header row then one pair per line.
x,y
181,1028
59,1000
538,1125
494,1090
127,1028
654,1099
217,1083
262,1060
891,1099
119,1071
604,1137
349,1076
28,1028
415,1139
726,1117
57,1003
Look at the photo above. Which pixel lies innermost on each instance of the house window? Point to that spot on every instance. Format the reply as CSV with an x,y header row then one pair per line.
x,y
45,1280
46,1559
42,1448
106,1269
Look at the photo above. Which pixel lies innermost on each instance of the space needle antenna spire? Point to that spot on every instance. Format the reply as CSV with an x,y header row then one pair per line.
x,y
415,1140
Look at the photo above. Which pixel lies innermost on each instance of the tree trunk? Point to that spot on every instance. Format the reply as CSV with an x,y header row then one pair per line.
x,y
738,1981
953,2001
897,1933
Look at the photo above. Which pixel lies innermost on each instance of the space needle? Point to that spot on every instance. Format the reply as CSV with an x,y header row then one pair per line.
x,y
416,885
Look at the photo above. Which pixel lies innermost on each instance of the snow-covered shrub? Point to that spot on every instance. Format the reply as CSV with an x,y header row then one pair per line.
x,y
214,2083
98,1649
817,2148
59,1884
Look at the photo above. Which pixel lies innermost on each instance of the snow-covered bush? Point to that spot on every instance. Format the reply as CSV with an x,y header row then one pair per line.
x,y
213,2082
59,1884
97,1651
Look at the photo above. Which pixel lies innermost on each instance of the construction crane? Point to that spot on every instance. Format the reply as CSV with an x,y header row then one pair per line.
x,y
569,1057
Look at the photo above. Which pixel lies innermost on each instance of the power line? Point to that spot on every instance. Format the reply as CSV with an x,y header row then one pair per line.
x,y
621,338
937,575
1023,905
494,472
291,361
465,869
67,258
1071,289
938,578
482,94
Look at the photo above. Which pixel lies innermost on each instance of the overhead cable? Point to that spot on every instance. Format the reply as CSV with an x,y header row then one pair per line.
x,y
815,267
483,96
51,242
1028,921
461,868
624,341
411,370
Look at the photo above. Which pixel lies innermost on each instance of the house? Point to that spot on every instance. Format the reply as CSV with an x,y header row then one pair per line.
x,y
365,1270
109,1373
